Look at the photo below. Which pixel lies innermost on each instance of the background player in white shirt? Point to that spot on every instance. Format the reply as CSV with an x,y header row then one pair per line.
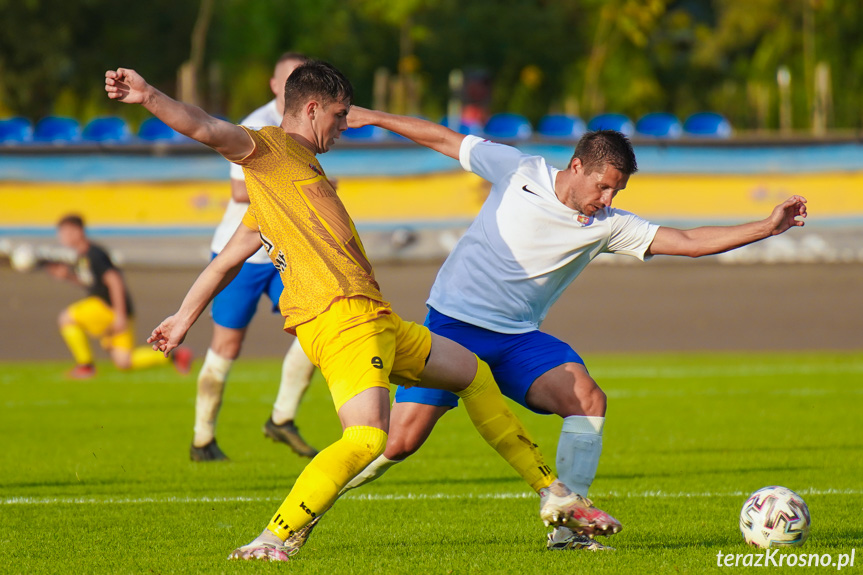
x,y
235,306
535,233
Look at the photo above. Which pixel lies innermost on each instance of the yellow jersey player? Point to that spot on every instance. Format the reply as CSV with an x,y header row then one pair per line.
x,y
106,313
333,304
233,309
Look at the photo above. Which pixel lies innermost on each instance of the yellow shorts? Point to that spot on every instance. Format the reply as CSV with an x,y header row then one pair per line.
x,y
359,344
95,317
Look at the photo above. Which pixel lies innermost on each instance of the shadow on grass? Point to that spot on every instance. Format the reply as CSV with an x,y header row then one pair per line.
x,y
751,448
443,480
723,471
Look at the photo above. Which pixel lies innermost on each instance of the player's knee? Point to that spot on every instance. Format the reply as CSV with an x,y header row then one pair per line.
x,y
229,349
123,363
227,342
597,403
402,446
585,398
65,318
591,398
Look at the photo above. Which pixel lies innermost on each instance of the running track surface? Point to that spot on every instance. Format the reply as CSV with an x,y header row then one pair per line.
x,y
670,305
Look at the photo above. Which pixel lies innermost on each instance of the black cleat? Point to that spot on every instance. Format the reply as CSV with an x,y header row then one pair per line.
x,y
288,434
209,452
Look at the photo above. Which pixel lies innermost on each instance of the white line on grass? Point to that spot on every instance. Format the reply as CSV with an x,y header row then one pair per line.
x,y
394,497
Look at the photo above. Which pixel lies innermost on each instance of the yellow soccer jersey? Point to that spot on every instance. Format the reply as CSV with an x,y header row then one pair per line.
x,y
304,227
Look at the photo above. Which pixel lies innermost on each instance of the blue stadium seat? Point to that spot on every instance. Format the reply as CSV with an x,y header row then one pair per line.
x,y
155,130
508,126
707,125
107,130
16,130
659,125
617,122
466,128
561,126
57,130
365,134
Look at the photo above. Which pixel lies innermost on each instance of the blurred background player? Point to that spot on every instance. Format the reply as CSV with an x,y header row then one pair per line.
x,y
234,308
106,313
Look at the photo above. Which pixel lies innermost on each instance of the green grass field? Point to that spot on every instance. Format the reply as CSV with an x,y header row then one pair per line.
x,y
95,476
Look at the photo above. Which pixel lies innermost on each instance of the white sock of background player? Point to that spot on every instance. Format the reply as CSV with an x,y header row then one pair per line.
x,y
211,387
297,373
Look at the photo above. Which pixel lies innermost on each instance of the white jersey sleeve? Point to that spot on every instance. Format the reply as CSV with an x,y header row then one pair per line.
x,y
630,234
489,160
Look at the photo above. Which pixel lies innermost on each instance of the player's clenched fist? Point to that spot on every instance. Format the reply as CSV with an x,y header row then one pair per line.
x,y
126,85
168,335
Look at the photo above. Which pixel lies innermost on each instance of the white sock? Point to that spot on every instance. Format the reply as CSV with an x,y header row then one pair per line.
x,y
297,373
578,451
372,471
211,386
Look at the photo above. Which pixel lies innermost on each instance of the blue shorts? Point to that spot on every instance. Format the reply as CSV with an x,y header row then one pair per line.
x,y
236,305
516,359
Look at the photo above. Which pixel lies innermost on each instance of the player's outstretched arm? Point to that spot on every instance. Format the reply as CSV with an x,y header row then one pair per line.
x,y
423,132
226,138
709,240
172,331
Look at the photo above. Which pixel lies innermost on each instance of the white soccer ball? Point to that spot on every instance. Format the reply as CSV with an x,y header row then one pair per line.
x,y
775,517
23,258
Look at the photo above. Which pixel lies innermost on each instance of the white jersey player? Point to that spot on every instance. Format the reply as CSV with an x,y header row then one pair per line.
x,y
535,233
234,308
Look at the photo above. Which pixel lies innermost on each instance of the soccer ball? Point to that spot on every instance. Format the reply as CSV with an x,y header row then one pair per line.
x,y
23,258
775,517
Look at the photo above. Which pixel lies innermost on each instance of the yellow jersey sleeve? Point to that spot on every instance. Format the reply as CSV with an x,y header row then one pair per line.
x,y
262,154
250,220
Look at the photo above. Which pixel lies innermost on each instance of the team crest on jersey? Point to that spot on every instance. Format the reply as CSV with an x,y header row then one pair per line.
x,y
584,220
316,170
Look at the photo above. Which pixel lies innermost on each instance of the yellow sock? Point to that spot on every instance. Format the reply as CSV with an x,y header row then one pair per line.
x,y
76,341
500,427
145,356
323,478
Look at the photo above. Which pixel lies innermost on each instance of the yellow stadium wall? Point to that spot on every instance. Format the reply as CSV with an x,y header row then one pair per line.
x,y
440,197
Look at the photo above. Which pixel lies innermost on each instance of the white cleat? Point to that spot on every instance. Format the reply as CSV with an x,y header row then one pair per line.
x,y
562,508
262,552
564,539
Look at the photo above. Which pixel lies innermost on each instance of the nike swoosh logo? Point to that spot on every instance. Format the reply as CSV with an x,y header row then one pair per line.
x,y
524,187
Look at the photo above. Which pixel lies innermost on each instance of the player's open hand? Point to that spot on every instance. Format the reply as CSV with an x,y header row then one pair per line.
x,y
126,85
168,335
790,213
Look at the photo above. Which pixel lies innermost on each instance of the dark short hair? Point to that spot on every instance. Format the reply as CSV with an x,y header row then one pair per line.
x,y
601,148
316,79
299,56
71,220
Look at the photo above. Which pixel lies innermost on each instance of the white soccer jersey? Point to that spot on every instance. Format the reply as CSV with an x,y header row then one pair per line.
x,y
266,115
525,246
